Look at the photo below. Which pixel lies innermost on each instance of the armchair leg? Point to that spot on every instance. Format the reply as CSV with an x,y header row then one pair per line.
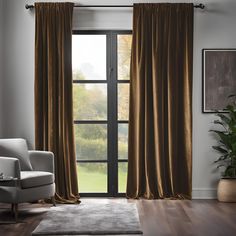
x,y
14,210
53,201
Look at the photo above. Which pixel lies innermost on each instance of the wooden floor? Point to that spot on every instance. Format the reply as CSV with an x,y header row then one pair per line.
x,y
157,217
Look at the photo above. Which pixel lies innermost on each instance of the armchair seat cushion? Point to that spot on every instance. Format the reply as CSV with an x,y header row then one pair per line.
x,y
31,179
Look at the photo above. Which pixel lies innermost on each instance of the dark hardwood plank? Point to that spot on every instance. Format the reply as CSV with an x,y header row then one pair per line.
x,y
157,217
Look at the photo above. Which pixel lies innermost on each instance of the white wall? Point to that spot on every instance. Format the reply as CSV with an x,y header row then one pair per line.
x,y
214,28
1,67
18,83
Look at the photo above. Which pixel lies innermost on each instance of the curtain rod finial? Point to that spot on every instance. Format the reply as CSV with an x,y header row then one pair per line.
x,y
27,6
202,6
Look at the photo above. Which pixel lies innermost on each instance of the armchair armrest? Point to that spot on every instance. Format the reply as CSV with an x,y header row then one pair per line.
x,y
42,161
10,166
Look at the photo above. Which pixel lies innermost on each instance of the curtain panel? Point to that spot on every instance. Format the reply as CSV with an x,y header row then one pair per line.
x,y
53,94
160,120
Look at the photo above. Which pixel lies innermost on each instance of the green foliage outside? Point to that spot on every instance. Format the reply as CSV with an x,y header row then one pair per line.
x,y
92,179
227,140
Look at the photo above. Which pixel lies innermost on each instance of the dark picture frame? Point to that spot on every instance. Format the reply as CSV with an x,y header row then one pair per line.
x,y
218,78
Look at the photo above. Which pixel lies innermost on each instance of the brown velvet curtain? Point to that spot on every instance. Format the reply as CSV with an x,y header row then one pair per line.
x,y
53,94
160,122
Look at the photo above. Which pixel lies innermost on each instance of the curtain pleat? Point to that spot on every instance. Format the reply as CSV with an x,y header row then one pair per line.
x,y
53,94
160,120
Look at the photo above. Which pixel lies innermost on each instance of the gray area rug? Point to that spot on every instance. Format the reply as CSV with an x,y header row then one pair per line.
x,y
91,219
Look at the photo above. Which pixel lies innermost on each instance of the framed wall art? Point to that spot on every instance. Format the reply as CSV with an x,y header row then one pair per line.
x,y
218,78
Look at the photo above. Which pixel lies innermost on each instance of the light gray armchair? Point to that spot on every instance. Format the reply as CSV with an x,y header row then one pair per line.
x,y
33,173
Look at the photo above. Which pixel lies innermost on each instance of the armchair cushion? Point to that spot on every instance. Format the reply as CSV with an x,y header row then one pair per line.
x,y
10,167
30,179
16,148
42,161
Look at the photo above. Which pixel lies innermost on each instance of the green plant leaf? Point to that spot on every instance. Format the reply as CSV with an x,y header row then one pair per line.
x,y
226,139
230,108
220,149
230,171
221,165
223,117
222,158
218,122
234,147
232,114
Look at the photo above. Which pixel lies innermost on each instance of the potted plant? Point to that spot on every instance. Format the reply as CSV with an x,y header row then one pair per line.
x,y
226,191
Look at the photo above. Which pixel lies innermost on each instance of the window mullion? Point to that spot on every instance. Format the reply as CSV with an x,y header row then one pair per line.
x,y
109,115
112,116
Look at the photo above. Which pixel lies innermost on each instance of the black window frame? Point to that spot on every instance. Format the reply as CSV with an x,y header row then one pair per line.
x,y
112,121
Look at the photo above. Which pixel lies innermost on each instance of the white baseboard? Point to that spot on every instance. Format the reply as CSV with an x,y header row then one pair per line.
x,y
204,193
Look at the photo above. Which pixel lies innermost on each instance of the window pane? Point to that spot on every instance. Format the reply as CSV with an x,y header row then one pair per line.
x,y
89,57
92,177
122,175
122,141
123,101
91,141
90,101
124,54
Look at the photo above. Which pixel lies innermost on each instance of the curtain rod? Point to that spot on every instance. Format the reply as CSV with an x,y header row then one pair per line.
x,y
27,6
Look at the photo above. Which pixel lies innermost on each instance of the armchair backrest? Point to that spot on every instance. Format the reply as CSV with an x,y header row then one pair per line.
x,y
16,148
